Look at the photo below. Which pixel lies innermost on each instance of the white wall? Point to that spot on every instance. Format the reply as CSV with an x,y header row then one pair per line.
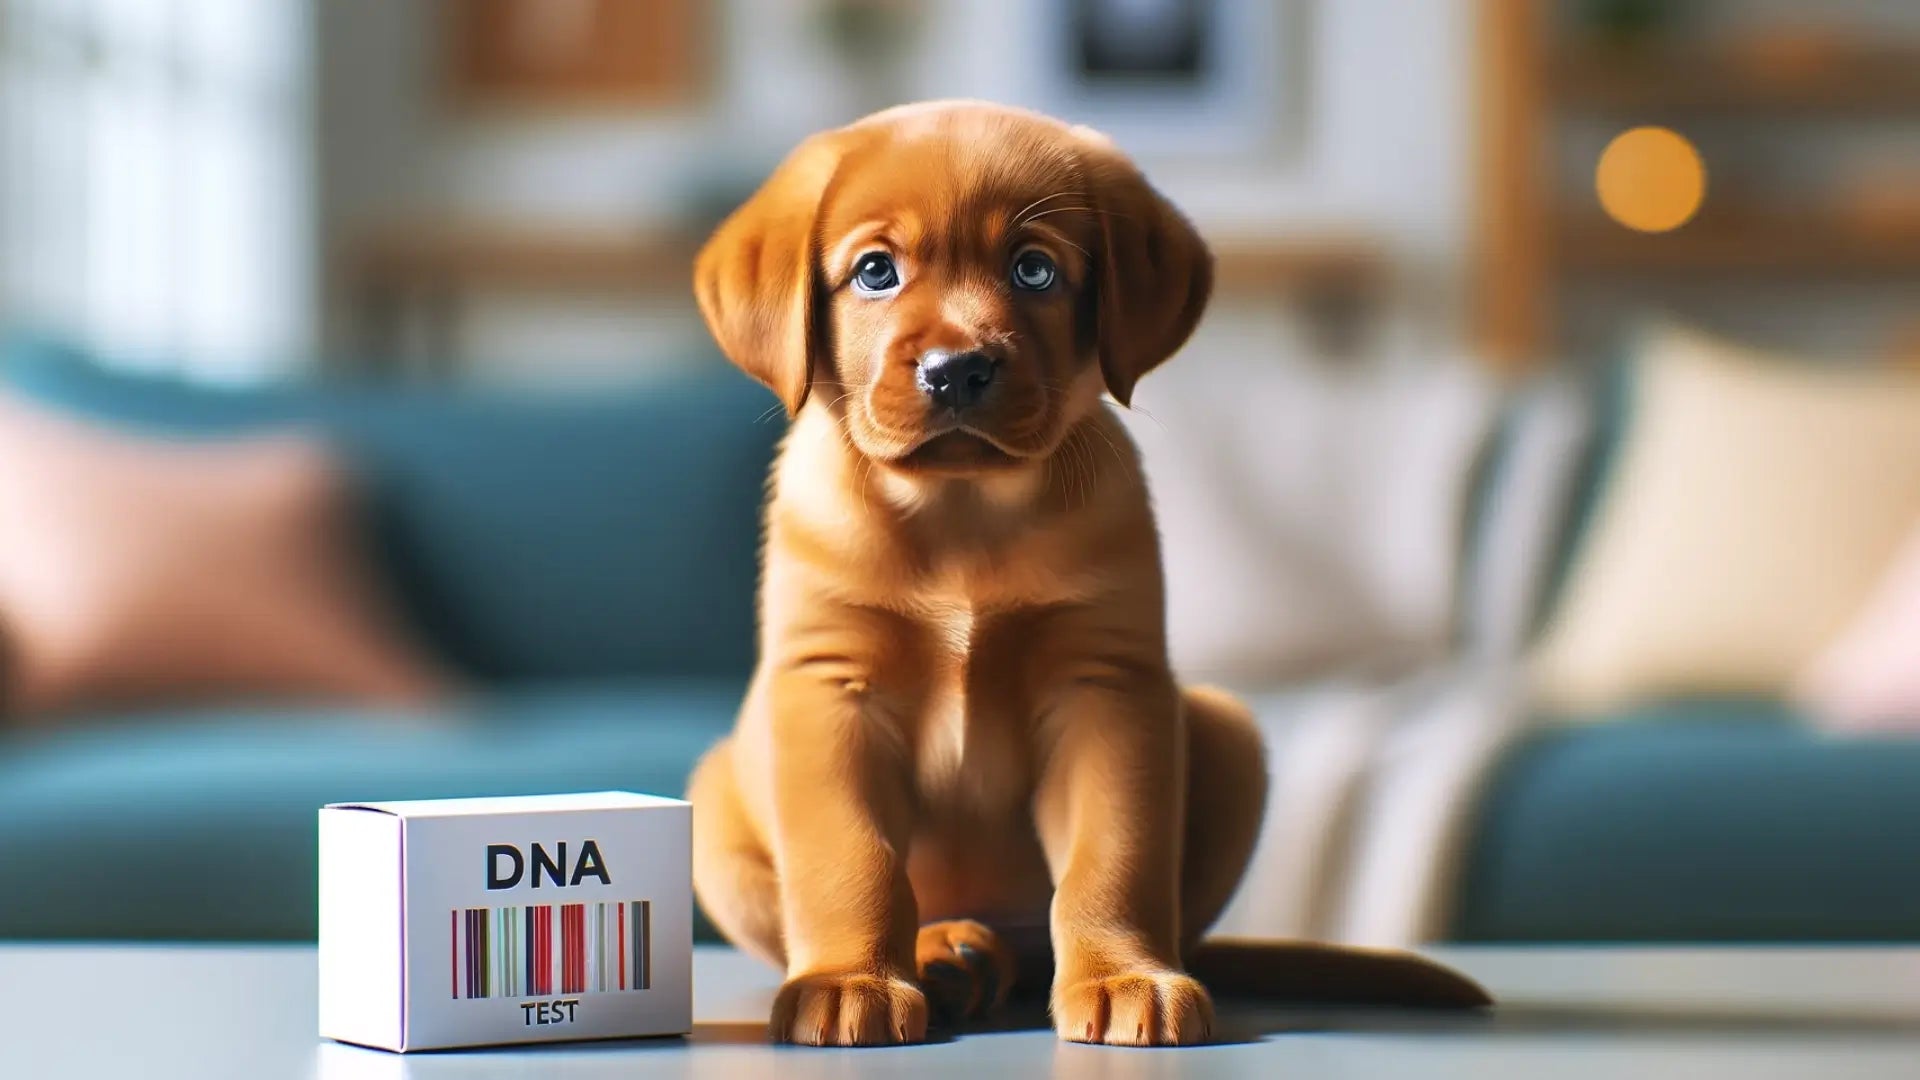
x,y
1385,146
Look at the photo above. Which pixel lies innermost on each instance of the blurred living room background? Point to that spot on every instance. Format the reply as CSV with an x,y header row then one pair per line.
x,y
1546,471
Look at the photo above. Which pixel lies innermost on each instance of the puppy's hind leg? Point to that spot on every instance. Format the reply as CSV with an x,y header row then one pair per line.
x,y
965,969
1226,796
1226,793
732,872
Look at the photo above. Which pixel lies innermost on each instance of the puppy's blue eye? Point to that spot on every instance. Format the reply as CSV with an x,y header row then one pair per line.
x,y
875,273
1033,271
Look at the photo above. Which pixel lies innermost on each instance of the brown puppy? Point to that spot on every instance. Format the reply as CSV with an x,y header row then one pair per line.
x,y
963,715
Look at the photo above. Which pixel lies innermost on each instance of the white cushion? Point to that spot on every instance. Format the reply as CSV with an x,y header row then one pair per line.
x,y
1311,516
1754,503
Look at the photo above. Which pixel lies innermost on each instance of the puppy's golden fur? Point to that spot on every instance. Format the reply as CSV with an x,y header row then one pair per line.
x,y
963,721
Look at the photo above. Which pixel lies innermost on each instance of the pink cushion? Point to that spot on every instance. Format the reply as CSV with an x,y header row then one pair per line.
x,y
141,571
1869,677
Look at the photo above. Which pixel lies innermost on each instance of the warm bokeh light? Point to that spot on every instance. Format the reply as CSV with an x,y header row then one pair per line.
x,y
1651,179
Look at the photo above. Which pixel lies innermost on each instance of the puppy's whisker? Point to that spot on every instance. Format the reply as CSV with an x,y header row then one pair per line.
x,y
1127,465
866,487
1060,210
1065,485
1066,481
1071,488
1094,210
1073,492
1142,410
1081,479
1021,217
1108,442
1092,474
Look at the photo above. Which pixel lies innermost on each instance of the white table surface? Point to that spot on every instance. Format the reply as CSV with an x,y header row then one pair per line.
x,y
210,1012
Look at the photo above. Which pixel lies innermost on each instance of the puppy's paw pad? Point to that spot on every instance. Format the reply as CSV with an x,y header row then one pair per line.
x,y
1137,1009
964,967
848,1009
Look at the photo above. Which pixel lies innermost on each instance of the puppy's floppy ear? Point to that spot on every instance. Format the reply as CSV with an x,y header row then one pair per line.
x,y
754,279
1155,274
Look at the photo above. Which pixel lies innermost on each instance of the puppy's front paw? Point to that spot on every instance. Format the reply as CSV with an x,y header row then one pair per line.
x,y
1152,1008
848,1009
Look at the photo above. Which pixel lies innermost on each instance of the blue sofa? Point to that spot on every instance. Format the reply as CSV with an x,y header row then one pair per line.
x,y
589,563
586,563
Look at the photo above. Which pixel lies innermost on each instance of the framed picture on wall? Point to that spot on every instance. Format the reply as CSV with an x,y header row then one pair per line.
x,y
1163,41
578,52
1210,78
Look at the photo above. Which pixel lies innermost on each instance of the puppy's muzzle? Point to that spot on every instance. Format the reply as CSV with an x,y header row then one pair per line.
x,y
955,380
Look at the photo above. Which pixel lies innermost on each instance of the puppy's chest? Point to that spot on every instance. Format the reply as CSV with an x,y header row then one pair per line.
x,y
984,625
973,733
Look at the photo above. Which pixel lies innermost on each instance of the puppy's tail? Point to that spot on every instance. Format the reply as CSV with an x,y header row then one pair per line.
x,y
1308,973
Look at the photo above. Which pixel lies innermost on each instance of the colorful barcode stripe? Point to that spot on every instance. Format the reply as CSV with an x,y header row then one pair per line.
x,y
524,951
642,943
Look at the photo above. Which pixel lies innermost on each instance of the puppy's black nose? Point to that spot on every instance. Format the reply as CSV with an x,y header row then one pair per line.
x,y
955,380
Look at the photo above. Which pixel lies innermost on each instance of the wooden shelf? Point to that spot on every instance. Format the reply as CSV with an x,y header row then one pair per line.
x,y
1308,264
1884,80
521,257
557,259
1747,244
421,278
1539,240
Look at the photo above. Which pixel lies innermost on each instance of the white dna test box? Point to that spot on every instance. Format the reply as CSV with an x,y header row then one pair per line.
x,y
469,922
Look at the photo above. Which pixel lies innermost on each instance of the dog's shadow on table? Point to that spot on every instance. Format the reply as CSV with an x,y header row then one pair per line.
x,y
1247,1021
1263,989
1236,1022
1242,1021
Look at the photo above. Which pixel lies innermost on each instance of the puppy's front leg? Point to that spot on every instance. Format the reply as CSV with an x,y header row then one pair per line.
x,y
842,822
1108,809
